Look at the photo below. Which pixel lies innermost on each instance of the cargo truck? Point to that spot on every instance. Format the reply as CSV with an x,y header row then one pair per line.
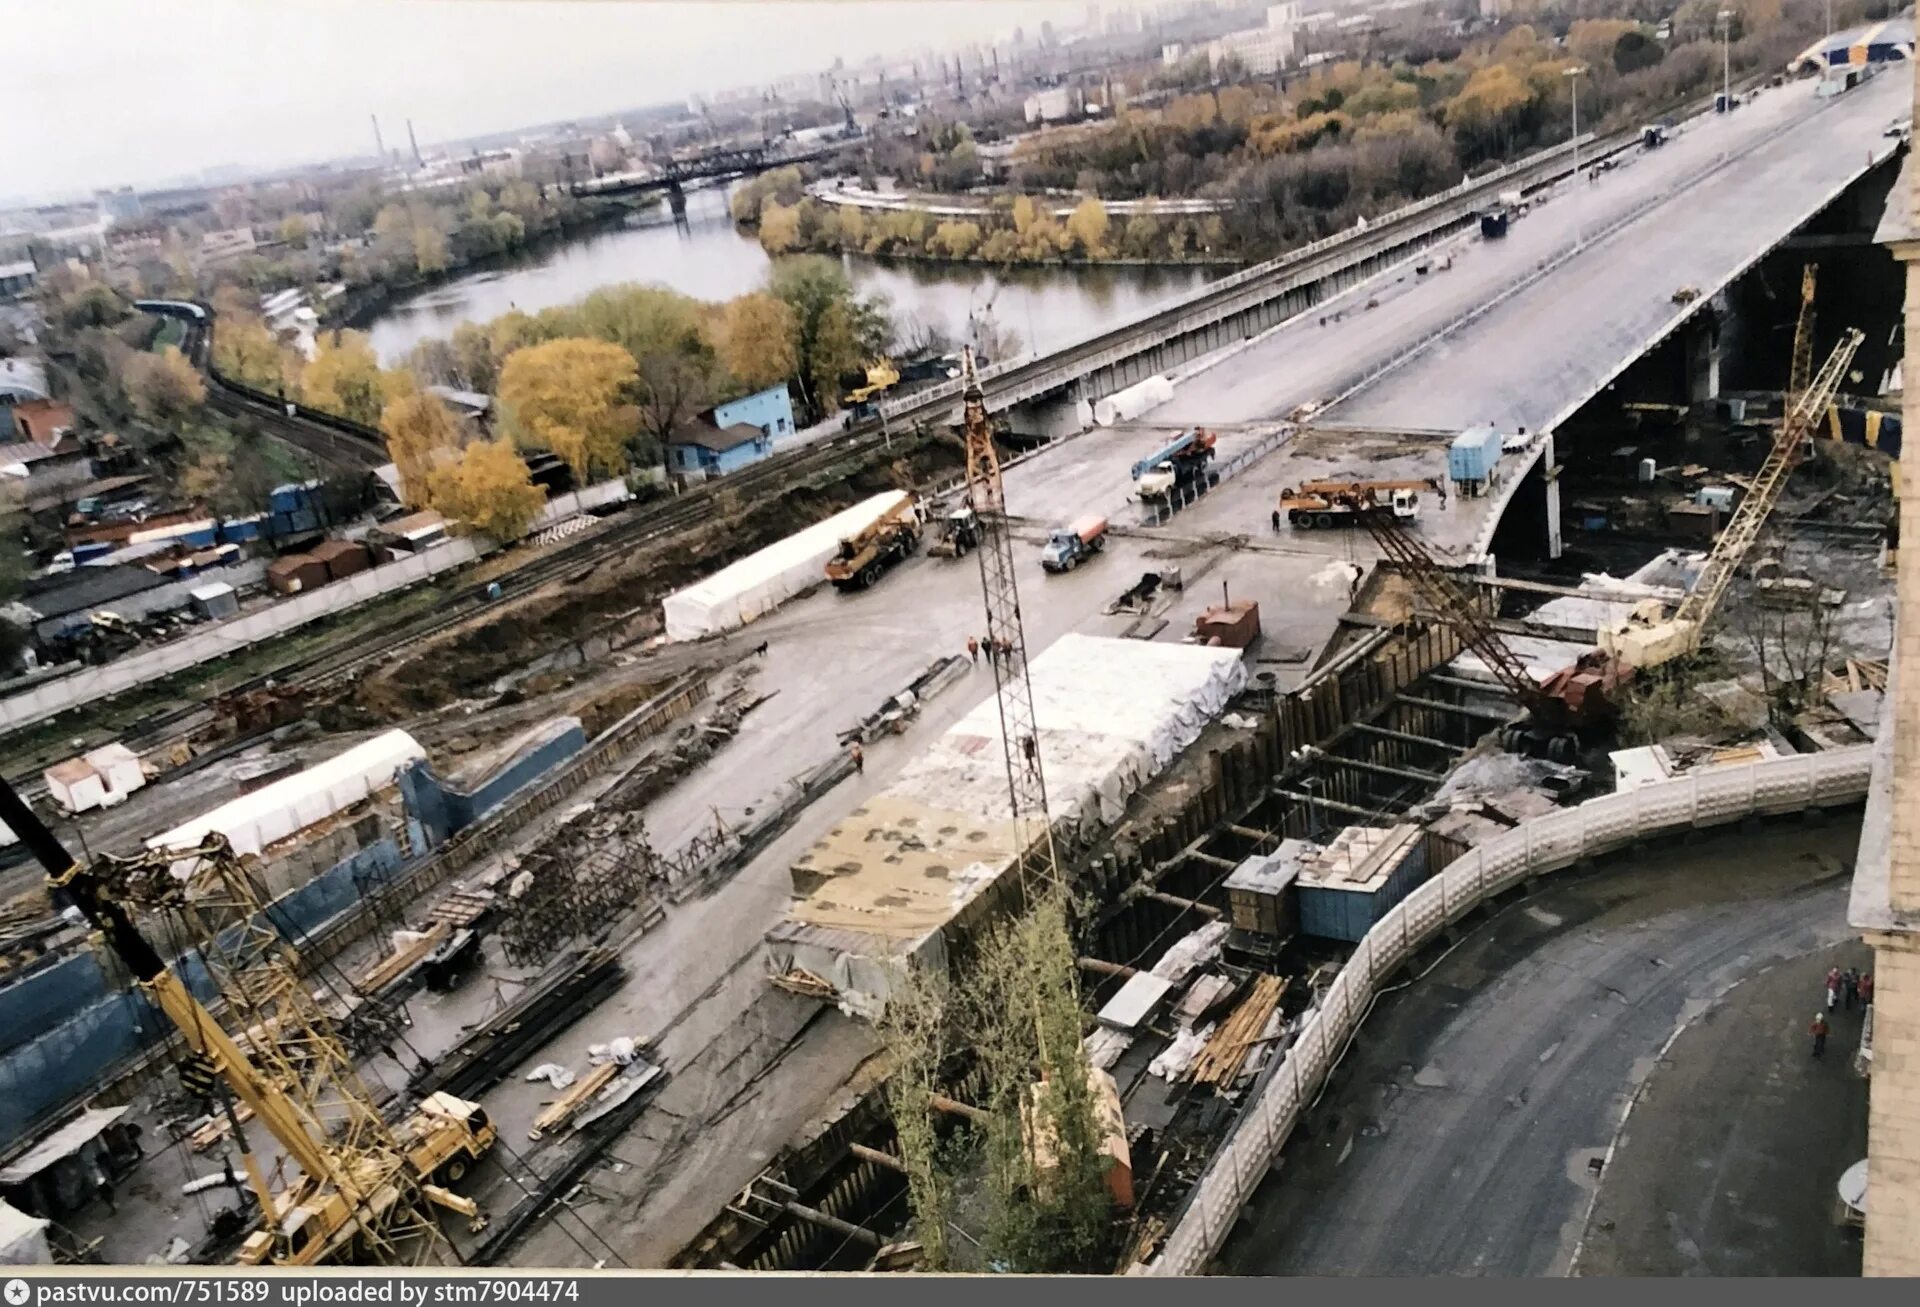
x,y
1176,467
1069,546
1493,223
862,558
1340,503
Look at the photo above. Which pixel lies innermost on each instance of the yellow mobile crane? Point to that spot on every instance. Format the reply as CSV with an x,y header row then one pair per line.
x,y
1648,640
364,1191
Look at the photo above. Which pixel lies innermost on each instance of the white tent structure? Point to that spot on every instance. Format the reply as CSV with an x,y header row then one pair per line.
x,y
877,892
762,581
270,814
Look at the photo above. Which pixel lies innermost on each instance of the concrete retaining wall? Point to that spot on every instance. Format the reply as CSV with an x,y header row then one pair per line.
x,y
1546,844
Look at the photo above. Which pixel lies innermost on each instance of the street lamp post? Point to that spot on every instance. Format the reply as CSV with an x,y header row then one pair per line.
x,y
1726,58
1573,80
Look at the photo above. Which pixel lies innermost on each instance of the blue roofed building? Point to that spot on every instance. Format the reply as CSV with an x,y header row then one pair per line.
x,y
729,436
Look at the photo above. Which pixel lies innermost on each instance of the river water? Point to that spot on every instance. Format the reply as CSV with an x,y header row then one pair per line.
x,y
708,258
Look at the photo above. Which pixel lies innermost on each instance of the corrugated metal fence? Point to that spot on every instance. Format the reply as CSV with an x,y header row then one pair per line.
x,y
1546,844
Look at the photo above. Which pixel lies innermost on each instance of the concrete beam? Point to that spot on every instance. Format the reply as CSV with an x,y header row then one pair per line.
x,y
1406,737
1458,710
1382,769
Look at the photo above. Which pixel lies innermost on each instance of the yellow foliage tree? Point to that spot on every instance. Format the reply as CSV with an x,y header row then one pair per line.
x,y
753,338
955,240
1087,224
429,249
489,489
779,227
246,350
423,440
164,386
343,377
574,397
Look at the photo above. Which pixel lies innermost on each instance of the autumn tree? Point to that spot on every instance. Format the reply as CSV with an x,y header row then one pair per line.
x,y
423,438
163,387
955,240
834,331
574,397
754,339
779,227
489,489
245,349
343,377
1087,224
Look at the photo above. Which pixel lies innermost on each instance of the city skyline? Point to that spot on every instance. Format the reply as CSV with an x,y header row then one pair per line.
x,y
444,65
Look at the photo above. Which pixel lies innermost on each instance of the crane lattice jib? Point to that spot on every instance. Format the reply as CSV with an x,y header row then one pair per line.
x,y
1801,370
1450,602
1006,639
279,1049
1744,527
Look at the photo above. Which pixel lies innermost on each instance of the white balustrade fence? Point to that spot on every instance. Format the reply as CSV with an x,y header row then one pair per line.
x,y
1548,843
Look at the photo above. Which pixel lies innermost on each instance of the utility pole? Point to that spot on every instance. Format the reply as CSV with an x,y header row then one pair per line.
x,y
1579,227
1726,58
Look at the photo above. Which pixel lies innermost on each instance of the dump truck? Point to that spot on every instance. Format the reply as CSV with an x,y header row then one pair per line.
x,y
862,558
955,534
1340,503
1173,468
1069,546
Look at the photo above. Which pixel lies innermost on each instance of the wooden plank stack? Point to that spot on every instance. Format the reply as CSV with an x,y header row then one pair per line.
x,y
1219,1063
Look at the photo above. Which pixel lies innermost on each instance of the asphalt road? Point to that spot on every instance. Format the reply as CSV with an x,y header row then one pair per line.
x,y
1456,1138
1533,355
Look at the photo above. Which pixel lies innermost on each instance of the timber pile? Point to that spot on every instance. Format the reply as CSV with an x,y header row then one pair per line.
x,y
217,1127
1218,1064
1858,674
398,963
561,1110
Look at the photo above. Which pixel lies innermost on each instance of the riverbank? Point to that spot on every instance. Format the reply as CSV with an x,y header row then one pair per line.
x,y
358,307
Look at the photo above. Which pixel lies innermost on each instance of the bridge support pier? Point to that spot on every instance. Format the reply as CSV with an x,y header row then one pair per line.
x,y
1054,418
1550,492
676,198
1703,360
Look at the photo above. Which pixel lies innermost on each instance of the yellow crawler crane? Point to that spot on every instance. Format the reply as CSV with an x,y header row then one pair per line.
x,y
364,1192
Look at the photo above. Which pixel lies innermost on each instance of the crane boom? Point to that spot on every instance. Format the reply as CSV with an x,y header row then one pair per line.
x,y
1020,740
287,1066
1801,369
1743,528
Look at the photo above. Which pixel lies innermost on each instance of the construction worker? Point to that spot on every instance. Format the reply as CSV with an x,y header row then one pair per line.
x,y
1819,1032
1833,988
1031,748
973,649
859,757
1850,988
1866,991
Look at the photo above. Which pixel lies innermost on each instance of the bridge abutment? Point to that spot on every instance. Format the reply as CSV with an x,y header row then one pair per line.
x,y
1703,359
1053,417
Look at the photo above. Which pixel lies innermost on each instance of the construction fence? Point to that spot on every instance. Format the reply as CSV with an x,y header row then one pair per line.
x,y
1549,843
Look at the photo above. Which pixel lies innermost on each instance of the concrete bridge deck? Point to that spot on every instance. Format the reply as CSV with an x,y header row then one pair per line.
x,y
1533,357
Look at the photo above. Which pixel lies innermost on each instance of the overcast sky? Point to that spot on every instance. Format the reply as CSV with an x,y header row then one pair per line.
x,y
103,92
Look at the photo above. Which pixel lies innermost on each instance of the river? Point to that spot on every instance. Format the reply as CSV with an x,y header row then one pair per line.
x,y
710,259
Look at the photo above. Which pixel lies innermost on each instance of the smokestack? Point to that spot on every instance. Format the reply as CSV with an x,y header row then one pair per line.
x,y
413,144
379,146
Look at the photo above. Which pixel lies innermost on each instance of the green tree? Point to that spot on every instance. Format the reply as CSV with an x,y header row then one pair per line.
x,y
834,331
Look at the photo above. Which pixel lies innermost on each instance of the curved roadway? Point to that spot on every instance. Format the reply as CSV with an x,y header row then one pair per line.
x,y
1457,1137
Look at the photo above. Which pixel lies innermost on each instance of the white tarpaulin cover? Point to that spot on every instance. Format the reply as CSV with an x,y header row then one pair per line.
x,y
293,803
1112,713
761,582
878,888
1126,405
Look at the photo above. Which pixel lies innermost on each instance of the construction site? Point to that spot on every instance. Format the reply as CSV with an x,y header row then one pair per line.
x,y
943,860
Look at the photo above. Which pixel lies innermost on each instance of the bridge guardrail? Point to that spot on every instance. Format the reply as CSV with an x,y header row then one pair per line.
x,y
1293,260
1545,844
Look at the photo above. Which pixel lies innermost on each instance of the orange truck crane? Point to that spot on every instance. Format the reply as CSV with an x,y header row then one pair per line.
x,y
861,558
1342,503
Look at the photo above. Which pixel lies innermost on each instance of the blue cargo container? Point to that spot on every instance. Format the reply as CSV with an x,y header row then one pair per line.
x,y
294,496
297,523
1362,874
1473,454
92,549
237,530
